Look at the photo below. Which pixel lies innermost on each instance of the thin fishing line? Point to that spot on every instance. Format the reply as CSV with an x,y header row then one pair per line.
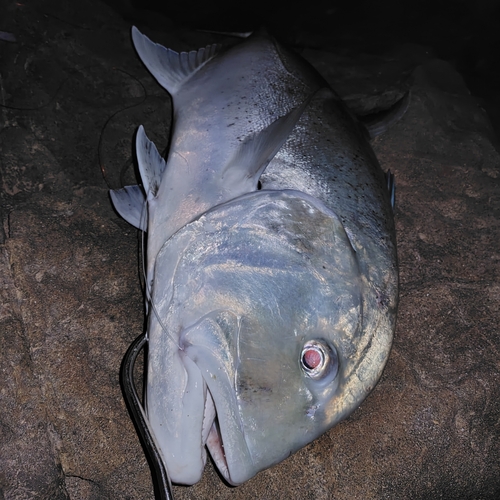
x,y
101,135
147,287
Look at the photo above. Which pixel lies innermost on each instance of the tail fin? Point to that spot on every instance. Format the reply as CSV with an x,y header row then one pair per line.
x,y
171,69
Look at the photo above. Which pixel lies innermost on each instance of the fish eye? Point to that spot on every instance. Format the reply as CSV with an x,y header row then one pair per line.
x,y
319,359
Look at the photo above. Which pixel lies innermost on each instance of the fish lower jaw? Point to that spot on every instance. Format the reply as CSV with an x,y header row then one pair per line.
x,y
212,439
216,448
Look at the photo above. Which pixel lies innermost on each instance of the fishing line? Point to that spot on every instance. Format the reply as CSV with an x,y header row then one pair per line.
x,y
146,284
16,108
142,250
129,162
106,123
64,21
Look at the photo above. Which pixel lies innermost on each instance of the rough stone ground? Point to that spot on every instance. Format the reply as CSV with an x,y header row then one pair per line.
x,y
70,291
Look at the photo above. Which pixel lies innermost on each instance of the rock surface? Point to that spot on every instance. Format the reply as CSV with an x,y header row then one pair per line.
x,y
72,93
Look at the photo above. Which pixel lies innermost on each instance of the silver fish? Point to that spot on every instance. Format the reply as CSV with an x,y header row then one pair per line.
x,y
272,281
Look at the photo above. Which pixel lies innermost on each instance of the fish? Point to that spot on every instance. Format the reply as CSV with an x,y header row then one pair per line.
x,y
271,263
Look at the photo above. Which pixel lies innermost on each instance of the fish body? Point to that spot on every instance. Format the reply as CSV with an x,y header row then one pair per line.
x,y
272,278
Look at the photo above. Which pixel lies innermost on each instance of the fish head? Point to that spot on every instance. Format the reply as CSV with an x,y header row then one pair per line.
x,y
257,335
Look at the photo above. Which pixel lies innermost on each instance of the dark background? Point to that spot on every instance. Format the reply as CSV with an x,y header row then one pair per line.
x,y
463,32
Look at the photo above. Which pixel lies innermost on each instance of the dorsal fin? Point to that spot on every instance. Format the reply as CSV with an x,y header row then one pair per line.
x,y
130,203
151,164
171,69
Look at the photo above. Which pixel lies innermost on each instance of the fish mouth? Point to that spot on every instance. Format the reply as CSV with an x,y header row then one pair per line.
x,y
212,439
222,428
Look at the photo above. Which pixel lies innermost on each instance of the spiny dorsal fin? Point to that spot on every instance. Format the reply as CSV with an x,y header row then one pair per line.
x,y
151,164
171,69
130,203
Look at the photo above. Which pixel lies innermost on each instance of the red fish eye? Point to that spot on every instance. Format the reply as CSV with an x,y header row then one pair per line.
x,y
311,358
319,360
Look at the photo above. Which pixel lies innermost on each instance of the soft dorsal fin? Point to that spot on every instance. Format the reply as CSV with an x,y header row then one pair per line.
x,y
130,203
171,69
151,164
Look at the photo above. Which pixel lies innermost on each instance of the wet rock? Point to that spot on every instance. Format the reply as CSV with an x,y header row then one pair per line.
x,y
71,300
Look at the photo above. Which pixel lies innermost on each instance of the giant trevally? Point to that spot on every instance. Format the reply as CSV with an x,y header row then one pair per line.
x,y
271,277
